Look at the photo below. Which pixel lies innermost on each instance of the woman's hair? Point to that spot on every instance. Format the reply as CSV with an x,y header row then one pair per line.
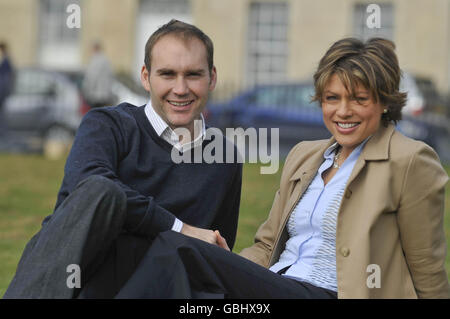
x,y
372,64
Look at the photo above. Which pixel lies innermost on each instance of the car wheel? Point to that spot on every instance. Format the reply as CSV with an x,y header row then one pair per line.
x,y
57,142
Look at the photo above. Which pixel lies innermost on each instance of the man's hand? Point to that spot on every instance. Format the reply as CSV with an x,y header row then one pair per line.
x,y
221,242
212,237
203,234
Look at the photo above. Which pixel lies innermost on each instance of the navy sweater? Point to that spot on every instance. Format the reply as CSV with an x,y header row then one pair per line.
x,y
121,144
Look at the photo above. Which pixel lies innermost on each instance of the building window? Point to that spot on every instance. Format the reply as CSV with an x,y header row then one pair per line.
x,y
59,44
363,31
267,51
152,14
166,7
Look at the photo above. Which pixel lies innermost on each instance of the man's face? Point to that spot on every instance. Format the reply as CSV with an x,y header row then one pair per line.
x,y
179,81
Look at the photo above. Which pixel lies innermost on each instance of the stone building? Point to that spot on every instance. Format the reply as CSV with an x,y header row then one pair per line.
x,y
256,41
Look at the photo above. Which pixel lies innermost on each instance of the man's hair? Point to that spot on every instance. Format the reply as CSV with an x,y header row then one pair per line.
x,y
372,64
183,30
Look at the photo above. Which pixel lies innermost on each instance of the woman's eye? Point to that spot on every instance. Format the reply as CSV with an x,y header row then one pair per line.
x,y
362,99
330,98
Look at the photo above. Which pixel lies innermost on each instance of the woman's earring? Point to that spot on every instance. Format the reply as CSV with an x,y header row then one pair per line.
x,y
385,111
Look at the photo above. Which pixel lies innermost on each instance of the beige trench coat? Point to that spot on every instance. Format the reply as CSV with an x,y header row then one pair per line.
x,y
390,240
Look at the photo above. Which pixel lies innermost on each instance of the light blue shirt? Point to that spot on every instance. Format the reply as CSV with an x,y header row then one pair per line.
x,y
311,249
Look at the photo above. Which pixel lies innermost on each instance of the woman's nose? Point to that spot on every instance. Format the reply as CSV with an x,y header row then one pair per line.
x,y
344,108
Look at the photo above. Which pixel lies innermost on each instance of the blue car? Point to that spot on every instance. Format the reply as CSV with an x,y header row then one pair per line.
x,y
285,106
288,107
432,128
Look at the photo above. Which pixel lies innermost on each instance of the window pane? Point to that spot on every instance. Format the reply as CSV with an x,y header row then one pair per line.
x,y
59,44
165,6
360,16
267,42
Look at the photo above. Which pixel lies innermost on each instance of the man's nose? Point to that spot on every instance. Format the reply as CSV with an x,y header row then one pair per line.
x,y
180,87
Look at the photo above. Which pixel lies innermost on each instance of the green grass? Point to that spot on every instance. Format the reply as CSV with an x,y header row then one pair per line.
x,y
29,185
28,189
258,192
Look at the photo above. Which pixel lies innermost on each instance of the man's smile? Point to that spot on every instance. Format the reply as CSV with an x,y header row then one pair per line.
x,y
180,104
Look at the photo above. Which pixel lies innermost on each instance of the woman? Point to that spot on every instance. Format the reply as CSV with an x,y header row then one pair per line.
x,y
357,216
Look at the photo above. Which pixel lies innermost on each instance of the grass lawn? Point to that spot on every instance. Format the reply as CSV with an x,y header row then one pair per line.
x,y
29,185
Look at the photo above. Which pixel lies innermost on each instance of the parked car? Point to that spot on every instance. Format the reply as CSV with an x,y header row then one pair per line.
x,y
124,88
423,96
42,113
432,128
127,90
288,107
283,106
46,107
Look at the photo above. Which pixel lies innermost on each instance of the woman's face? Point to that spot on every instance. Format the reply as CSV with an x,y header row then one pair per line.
x,y
350,120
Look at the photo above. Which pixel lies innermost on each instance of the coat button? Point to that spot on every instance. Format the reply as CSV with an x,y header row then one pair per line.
x,y
348,194
345,251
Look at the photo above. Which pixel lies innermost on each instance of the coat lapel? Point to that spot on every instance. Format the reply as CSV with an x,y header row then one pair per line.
x,y
305,174
376,149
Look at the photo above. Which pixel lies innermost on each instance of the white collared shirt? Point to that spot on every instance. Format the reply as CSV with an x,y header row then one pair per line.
x,y
164,131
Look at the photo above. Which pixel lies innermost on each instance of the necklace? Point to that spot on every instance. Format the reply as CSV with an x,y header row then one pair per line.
x,y
336,158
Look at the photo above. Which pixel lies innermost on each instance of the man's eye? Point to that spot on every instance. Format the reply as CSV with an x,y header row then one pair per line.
x,y
167,74
193,75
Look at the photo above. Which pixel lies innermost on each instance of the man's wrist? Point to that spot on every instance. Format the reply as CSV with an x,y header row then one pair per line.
x,y
177,225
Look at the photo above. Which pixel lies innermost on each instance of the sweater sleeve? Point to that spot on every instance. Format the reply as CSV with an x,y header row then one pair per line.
x,y
98,147
227,219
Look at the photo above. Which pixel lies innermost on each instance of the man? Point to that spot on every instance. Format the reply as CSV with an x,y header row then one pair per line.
x,y
121,188
98,79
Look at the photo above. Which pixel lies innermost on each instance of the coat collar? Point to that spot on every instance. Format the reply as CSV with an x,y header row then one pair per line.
x,y
376,148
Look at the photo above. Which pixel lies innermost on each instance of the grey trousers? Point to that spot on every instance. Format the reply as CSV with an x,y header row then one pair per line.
x,y
80,232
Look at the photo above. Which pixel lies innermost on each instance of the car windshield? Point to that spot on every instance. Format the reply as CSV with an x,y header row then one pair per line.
x,y
33,83
283,97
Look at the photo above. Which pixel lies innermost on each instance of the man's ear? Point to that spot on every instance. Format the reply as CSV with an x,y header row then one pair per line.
x,y
213,78
145,78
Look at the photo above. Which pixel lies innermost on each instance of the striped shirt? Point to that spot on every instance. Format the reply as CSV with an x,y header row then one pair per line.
x,y
310,250
166,133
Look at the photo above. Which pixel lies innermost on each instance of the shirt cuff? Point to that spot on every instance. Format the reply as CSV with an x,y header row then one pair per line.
x,y
177,225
